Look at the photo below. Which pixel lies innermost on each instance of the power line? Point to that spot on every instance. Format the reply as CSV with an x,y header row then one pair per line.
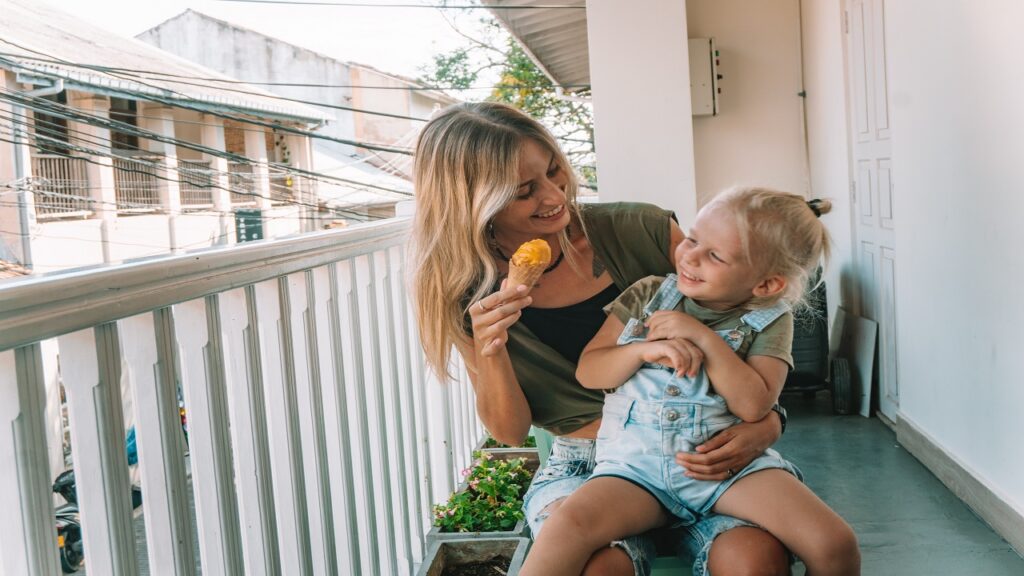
x,y
123,204
451,6
101,68
185,99
68,113
107,143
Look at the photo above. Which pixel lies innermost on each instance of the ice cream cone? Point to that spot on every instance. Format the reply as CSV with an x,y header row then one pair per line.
x,y
528,263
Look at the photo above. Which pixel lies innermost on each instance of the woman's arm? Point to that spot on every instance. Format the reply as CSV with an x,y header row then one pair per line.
x,y
604,364
500,401
731,449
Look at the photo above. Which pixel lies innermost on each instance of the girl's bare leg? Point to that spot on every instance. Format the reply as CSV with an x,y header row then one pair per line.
x,y
782,505
601,511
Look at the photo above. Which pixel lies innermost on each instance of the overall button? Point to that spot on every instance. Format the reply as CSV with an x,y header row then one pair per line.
x,y
638,329
735,335
672,390
671,415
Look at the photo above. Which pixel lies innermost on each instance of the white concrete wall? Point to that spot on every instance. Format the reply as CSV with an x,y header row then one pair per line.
x,y
63,244
643,133
958,135
253,57
828,150
757,137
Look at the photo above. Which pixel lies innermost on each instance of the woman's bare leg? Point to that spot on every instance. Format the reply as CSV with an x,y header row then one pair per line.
x,y
782,505
748,551
601,511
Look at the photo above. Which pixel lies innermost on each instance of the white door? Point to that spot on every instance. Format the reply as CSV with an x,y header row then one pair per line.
x,y
873,186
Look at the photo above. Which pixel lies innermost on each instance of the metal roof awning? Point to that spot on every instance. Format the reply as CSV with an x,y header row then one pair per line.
x,y
553,33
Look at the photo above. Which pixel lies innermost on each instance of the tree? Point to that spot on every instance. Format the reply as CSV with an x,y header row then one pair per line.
x,y
491,56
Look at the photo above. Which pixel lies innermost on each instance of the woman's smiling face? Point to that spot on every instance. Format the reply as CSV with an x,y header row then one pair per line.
x,y
539,209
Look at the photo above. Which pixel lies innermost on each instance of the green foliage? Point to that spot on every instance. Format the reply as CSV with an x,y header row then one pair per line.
x,y
490,52
492,501
530,442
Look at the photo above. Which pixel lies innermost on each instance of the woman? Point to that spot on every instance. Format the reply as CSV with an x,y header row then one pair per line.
x,y
488,178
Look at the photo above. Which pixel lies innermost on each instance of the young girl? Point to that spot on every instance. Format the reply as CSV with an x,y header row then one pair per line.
x,y
688,356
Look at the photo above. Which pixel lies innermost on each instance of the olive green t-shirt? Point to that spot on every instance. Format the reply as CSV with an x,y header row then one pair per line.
x,y
776,340
632,241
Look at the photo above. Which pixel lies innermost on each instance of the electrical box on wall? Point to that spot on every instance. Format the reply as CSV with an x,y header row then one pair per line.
x,y
704,77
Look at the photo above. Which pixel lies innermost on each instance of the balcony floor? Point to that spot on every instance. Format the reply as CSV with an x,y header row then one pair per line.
x,y
907,522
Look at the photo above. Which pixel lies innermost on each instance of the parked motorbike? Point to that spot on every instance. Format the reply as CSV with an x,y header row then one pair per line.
x,y
69,525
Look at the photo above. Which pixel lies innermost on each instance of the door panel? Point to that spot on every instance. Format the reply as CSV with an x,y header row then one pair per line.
x,y
873,187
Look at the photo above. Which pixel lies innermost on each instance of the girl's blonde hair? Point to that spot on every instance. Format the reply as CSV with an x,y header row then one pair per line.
x,y
781,235
467,171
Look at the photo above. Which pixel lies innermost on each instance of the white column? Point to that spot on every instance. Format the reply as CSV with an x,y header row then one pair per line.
x,y
100,168
256,150
643,136
212,136
160,119
304,187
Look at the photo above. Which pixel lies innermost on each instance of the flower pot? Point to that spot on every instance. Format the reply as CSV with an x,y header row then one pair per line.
x,y
531,456
518,531
446,555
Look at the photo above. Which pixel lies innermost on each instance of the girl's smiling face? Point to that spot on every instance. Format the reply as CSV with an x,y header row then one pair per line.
x,y
712,266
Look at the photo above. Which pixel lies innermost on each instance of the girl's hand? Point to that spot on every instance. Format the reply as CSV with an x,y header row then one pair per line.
x,y
665,324
677,353
492,315
731,450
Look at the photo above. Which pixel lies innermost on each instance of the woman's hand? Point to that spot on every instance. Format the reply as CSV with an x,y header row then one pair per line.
x,y
678,354
492,315
731,450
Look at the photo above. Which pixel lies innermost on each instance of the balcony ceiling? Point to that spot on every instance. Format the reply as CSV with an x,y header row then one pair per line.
x,y
553,35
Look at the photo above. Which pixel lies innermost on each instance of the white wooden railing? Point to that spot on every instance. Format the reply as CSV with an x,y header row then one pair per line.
x,y
317,439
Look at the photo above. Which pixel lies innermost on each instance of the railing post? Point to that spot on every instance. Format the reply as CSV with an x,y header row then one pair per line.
x,y
305,356
249,433
270,298
338,432
149,352
91,367
28,543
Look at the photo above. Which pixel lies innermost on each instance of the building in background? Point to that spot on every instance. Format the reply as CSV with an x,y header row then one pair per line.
x,y
109,153
365,104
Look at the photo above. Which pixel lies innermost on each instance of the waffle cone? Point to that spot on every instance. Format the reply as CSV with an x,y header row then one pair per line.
x,y
528,263
525,274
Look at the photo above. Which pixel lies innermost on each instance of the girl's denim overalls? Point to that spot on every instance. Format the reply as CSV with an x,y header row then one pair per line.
x,y
655,414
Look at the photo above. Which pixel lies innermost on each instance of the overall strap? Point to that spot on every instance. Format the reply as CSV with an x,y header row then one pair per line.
x,y
666,298
758,320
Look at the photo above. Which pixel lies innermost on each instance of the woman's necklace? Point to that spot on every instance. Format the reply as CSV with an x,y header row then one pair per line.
x,y
494,245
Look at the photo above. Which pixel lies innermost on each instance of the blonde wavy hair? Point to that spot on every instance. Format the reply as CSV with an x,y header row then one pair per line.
x,y
781,234
467,171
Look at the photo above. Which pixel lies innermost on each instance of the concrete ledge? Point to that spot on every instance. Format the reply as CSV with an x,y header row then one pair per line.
x,y
963,482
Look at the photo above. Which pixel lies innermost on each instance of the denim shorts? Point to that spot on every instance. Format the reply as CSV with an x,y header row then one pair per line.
x,y
571,463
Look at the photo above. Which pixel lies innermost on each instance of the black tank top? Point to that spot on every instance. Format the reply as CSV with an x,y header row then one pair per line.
x,y
569,329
